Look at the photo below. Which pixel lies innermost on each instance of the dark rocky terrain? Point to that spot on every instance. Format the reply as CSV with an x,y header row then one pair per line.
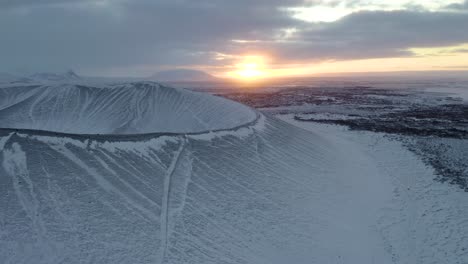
x,y
432,125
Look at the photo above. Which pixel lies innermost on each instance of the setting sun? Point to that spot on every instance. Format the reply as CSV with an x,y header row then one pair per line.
x,y
249,71
251,68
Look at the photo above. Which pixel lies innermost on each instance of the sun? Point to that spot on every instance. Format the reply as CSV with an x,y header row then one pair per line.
x,y
251,68
249,71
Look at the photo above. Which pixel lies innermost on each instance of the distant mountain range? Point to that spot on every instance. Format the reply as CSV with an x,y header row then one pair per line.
x,y
182,75
47,76
69,76
177,75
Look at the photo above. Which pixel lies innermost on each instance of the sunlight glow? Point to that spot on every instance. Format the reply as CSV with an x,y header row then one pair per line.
x,y
440,51
251,68
261,68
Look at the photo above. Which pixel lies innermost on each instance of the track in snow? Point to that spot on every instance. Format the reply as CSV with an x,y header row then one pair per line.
x,y
164,218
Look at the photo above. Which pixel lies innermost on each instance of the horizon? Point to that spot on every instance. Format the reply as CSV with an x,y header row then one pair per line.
x,y
376,74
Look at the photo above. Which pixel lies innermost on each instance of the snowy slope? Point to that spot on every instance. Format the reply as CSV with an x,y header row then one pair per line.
x,y
257,190
233,196
389,188
131,108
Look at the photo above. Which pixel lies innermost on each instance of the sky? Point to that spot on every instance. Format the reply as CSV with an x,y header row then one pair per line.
x,y
240,39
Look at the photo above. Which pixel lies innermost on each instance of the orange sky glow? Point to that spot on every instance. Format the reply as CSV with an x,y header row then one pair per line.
x,y
257,67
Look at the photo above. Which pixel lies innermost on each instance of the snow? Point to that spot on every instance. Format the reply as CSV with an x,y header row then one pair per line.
x,y
66,77
7,78
133,108
42,77
241,132
419,220
460,92
3,140
230,185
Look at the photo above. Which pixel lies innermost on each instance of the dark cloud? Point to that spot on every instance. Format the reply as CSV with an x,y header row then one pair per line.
x,y
127,33
31,3
378,34
97,35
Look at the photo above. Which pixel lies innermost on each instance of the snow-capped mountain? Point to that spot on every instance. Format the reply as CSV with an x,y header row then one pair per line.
x,y
69,76
7,78
143,107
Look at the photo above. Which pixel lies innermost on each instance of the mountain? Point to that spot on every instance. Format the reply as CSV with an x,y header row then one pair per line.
x,y
130,108
68,76
183,75
91,175
6,78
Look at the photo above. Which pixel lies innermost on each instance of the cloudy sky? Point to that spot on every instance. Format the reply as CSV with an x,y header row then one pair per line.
x,y
233,37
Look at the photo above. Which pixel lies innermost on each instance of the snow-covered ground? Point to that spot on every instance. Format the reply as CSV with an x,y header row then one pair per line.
x,y
460,91
239,187
390,191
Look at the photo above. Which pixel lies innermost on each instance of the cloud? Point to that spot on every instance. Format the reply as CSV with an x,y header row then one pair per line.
x,y
38,3
373,34
459,6
138,32
95,36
